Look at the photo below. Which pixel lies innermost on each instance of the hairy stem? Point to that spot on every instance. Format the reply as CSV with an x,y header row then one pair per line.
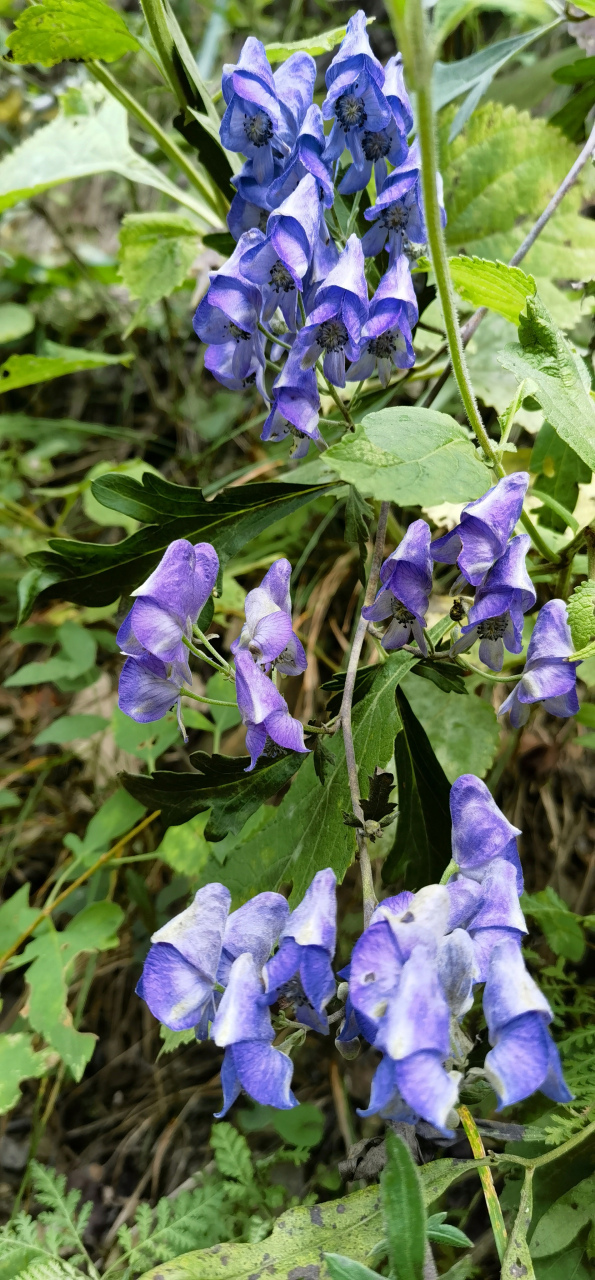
x,y
487,1181
344,718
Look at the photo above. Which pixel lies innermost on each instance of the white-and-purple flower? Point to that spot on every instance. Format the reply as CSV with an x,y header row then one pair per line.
x,y
406,578
386,335
548,676
301,972
168,603
264,710
268,632
280,261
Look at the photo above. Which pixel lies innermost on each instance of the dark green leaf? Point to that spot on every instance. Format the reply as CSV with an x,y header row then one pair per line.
x,y
378,805
403,1211
561,1223
446,675
222,241
442,1232
559,472
571,117
575,72
222,786
306,831
364,679
358,514
195,130
464,735
560,377
422,842
96,574
323,759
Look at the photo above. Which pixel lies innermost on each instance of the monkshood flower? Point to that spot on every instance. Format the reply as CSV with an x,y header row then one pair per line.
x,y
168,604
548,677
307,157
267,632
263,710
480,832
354,99
334,327
498,914
264,112
242,1026
230,310
485,526
195,951
524,1057
397,213
219,360
149,688
324,259
301,971
294,82
296,403
386,334
385,144
249,207
496,616
457,971
279,263
406,578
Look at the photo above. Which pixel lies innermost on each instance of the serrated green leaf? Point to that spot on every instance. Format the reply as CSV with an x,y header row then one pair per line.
x,y
18,1062
69,728
55,30
559,376
156,252
96,574
403,1211
492,284
306,831
223,786
25,371
314,45
464,732
421,848
410,456
581,614
561,927
173,1039
76,146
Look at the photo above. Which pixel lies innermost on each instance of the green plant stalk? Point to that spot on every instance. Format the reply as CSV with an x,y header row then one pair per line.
x,y
213,702
217,206
487,1181
164,44
224,665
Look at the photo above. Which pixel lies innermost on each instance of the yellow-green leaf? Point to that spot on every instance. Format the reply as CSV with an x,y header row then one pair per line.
x,y
492,284
314,45
25,371
54,30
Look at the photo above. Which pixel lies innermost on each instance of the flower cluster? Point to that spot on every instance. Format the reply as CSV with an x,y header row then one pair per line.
x,y
161,630
410,979
295,286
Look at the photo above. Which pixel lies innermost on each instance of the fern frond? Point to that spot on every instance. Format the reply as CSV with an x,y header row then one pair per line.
x,y
232,1153
51,1269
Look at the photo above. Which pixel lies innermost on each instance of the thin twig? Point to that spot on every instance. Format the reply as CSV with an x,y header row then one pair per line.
x,y
344,718
487,1181
472,324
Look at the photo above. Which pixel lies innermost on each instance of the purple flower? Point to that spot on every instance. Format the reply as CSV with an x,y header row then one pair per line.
x,y
496,616
279,263
334,327
307,158
253,117
355,99
169,602
220,360
301,971
263,710
397,214
243,1027
386,335
548,677
498,914
267,632
324,259
524,1057
406,578
294,82
249,207
484,529
197,949
148,688
396,93
480,832
296,403
389,143
230,310
457,971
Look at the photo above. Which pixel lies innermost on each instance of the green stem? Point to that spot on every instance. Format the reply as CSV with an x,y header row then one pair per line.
x,y
213,702
164,44
487,675
203,640
538,542
337,399
203,656
215,205
487,1181
271,337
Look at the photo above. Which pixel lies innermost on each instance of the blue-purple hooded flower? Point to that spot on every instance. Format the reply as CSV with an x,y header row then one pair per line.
x,y
295,409
548,677
341,308
301,970
253,117
524,1057
354,98
230,310
406,578
280,261
307,157
196,950
242,1026
169,602
480,832
149,688
482,534
264,710
397,214
386,336
267,632
496,616
497,914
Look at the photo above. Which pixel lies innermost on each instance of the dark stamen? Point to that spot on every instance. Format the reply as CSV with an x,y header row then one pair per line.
x,y
351,112
281,279
258,128
376,146
332,335
492,628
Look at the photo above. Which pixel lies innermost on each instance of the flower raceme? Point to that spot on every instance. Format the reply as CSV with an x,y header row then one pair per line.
x,y
411,979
